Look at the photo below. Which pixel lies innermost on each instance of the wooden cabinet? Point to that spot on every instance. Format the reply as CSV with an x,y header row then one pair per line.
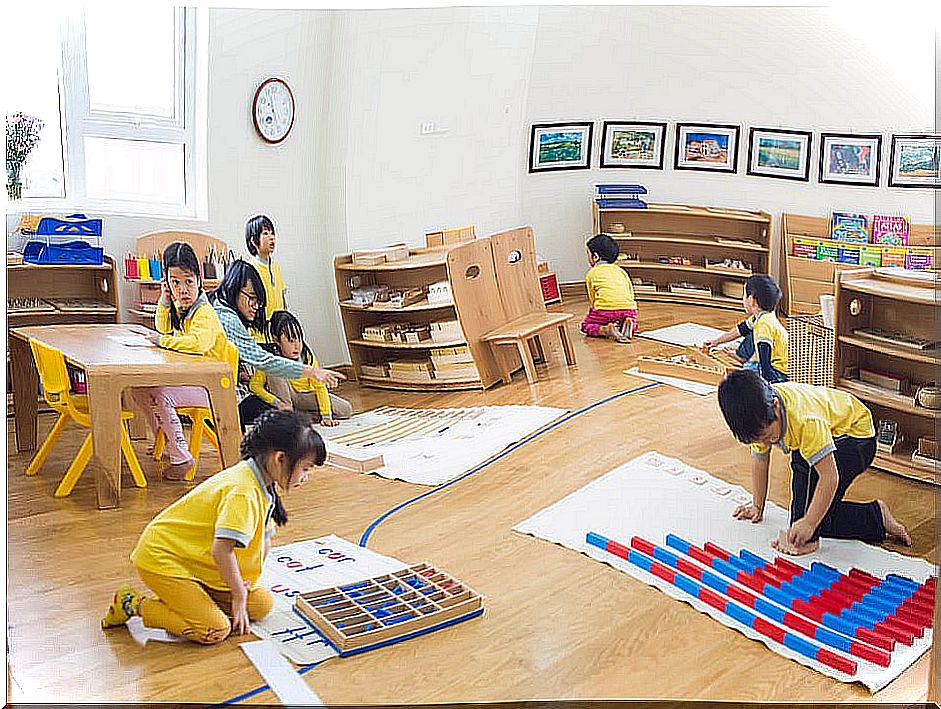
x,y
675,252
886,326
806,279
61,294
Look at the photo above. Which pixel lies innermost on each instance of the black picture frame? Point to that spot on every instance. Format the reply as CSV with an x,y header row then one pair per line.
x,y
895,179
607,161
730,165
586,128
827,176
804,172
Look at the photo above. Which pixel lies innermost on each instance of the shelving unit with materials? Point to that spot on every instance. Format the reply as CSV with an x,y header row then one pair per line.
x,y
688,254
887,352
401,323
149,248
805,279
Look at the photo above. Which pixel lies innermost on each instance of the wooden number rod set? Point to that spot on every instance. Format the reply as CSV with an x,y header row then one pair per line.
x,y
695,364
388,609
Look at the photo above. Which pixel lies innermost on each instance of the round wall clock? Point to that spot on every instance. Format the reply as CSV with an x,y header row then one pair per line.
x,y
273,110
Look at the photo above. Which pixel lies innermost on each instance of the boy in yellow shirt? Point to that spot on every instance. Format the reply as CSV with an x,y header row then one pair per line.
x,y
613,311
260,240
764,339
831,440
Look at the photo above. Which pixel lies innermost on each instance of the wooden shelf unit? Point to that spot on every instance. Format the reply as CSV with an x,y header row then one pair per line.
x,y
899,301
56,283
804,280
423,267
697,233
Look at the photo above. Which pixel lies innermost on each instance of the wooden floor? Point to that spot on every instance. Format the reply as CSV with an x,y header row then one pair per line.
x,y
557,624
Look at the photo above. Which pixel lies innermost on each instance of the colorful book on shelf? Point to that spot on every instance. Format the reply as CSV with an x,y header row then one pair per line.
x,y
849,227
890,230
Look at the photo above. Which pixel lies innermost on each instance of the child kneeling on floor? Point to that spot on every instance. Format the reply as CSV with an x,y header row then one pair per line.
x,y
831,440
203,555
613,311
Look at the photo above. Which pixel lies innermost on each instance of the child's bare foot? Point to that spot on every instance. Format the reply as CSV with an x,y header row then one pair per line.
x,y
176,472
627,331
782,545
894,530
610,331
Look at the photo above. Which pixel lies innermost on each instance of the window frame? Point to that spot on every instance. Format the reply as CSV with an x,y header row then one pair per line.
x,y
80,121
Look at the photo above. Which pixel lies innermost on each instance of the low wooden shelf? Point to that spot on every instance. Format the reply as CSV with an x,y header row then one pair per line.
x,y
890,301
698,233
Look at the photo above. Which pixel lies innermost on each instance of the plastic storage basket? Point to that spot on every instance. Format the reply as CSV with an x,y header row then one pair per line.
x,y
809,350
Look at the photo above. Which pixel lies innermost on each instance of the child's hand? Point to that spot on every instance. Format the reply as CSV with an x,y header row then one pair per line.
x,y
800,532
166,295
708,344
748,513
326,376
283,405
329,421
154,337
240,610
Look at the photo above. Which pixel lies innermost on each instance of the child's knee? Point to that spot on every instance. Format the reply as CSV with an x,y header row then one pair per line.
x,y
210,633
260,603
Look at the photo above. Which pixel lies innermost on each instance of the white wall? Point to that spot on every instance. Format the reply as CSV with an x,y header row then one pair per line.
x,y
801,68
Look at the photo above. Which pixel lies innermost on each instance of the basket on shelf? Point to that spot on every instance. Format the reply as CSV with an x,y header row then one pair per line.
x,y
809,350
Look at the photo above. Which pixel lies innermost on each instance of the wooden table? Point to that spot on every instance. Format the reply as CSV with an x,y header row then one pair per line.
x,y
111,367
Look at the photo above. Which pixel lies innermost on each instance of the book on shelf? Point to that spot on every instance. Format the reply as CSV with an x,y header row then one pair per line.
x,y
884,380
849,227
890,230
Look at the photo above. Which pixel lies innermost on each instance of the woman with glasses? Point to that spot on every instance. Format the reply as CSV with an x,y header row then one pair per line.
x,y
240,304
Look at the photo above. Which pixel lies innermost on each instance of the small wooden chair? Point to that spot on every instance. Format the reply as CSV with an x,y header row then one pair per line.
x,y
523,333
202,421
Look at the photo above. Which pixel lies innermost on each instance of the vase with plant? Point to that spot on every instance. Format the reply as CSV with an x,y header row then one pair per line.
x,y
22,137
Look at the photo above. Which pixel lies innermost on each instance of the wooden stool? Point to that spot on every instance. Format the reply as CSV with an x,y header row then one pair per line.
x,y
526,329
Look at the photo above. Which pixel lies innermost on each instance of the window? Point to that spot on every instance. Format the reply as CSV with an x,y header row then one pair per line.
x,y
120,104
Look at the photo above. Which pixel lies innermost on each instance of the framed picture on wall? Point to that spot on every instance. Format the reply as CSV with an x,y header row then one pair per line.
x,y
915,161
847,159
633,144
706,146
560,146
784,154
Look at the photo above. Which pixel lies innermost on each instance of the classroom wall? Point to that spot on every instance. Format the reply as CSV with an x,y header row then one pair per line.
x,y
846,70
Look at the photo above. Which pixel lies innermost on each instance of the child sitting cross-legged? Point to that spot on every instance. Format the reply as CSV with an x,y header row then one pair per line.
x,y
303,394
202,556
831,440
613,311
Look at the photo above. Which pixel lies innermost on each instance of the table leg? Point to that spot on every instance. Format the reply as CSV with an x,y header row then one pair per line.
x,y
137,426
104,403
527,358
540,353
225,416
25,392
566,346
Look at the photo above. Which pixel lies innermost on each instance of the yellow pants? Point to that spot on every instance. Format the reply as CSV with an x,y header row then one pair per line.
x,y
187,608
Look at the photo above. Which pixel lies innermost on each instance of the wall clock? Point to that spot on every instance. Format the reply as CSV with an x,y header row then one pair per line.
x,y
273,110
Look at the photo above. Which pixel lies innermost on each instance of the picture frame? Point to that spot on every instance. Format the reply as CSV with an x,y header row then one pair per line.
x,y
778,153
850,159
560,146
633,144
711,147
915,161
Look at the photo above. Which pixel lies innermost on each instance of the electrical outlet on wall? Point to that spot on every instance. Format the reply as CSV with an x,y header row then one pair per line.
x,y
427,127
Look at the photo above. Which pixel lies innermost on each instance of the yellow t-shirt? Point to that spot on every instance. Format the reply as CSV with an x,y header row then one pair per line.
x,y
767,328
274,285
200,332
301,386
812,416
233,504
610,288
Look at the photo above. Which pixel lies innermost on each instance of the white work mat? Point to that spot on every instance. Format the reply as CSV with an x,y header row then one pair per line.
x,y
309,566
684,334
432,446
684,384
653,495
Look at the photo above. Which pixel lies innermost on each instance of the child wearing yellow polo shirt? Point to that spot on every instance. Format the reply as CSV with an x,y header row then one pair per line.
x,y
831,440
305,394
764,339
203,555
613,311
185,322
260,240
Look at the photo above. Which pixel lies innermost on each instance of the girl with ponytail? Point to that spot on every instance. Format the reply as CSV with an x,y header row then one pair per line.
x,y
203,555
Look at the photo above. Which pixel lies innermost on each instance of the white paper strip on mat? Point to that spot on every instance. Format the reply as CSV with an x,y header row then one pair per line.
x,y
278,674
653,495
309,566
687,333
684,384
432,446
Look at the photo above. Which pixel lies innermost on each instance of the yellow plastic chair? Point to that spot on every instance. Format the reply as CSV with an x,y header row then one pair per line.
x,y
202,421
72,407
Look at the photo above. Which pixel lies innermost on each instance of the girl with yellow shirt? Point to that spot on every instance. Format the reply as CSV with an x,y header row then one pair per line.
x,y
260,240
613,311
203,555
186,322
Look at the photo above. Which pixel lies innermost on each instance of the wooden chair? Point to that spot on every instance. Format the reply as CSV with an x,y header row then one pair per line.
x,y
50,363
527,320
202,421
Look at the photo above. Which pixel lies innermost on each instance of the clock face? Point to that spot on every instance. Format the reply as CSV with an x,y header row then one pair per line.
x,y
273,110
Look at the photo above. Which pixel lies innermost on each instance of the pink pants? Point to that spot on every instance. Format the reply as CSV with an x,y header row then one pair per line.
x,y
596,318
159,405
